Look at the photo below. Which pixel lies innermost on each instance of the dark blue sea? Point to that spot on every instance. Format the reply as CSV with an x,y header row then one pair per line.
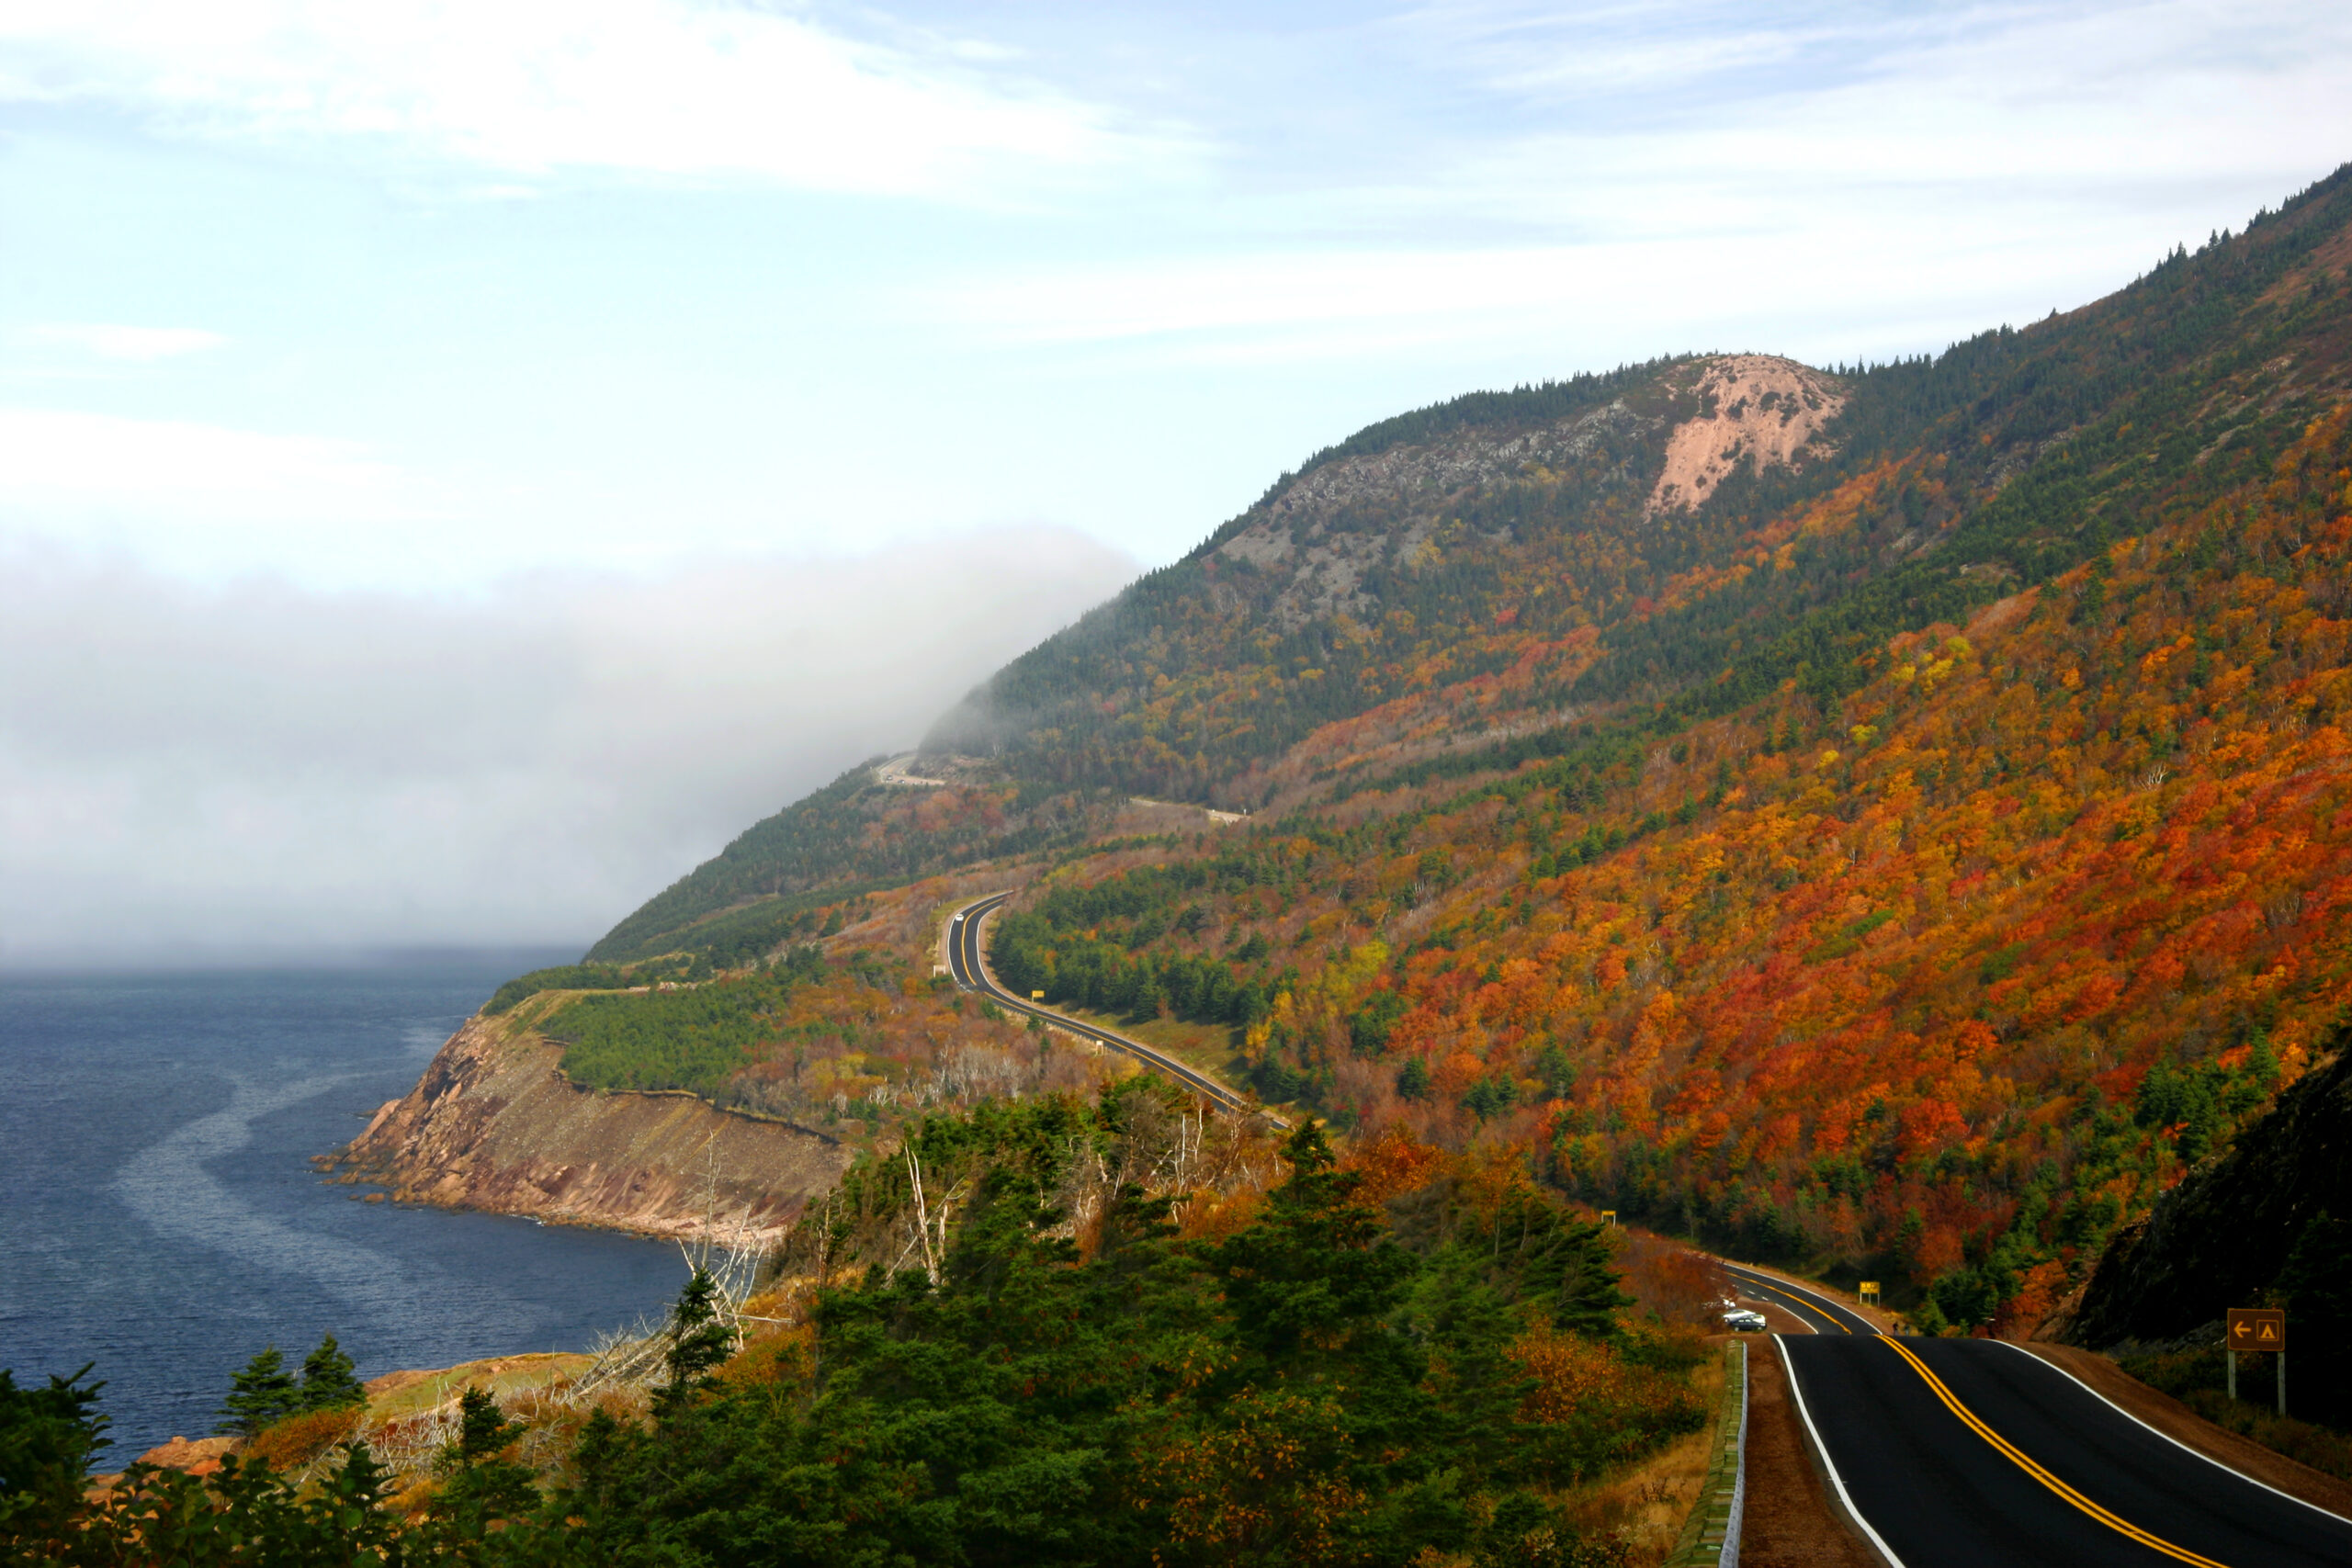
x,y
158,1215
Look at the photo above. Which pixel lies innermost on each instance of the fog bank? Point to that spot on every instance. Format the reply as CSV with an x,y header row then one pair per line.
x,y
198,774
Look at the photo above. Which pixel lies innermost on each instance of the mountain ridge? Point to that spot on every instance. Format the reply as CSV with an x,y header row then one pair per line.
x,y
1988,456
1849,859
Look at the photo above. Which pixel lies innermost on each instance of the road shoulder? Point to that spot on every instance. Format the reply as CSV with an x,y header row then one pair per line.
x,y
2176,1421
1791,1520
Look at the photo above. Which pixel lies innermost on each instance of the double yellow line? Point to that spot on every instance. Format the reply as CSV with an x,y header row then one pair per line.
x,y
2009,1451
1814,1307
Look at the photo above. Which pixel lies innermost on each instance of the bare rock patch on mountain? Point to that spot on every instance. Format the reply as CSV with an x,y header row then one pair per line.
x,y
1305,530
1756,407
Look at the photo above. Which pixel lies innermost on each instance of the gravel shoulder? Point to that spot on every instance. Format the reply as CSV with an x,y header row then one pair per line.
x,y
1792,1518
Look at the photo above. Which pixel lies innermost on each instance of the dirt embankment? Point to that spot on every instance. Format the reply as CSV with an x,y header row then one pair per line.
x,y
494,1125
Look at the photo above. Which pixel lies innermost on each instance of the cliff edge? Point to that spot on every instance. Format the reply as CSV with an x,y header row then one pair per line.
x,y
2221,1238
493,1124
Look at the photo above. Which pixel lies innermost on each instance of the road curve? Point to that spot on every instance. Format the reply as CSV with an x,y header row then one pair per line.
x,y
968,966
1817,1311
1971,1452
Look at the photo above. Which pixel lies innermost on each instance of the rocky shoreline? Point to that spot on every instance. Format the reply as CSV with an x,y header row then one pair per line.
x,y
494,1125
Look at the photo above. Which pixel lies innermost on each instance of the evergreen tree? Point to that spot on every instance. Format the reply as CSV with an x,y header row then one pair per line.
x,y
482,1427
698,1341
330,1380
47,1439
1413,1079
260,1396
481,1487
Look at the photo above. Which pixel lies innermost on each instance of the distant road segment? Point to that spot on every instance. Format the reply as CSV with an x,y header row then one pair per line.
x,y
1821,1313
968,964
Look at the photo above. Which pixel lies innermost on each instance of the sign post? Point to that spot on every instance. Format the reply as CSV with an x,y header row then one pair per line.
x,y
1867,1292
2258,1329
1608,1216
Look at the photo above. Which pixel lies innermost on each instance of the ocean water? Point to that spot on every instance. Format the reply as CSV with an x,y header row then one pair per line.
x,y
158,1215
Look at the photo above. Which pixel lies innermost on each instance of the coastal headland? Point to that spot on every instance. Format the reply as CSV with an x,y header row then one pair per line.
x,y
494,1125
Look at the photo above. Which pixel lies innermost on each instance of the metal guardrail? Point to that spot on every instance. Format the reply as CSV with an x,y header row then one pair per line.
x,y
1710,1536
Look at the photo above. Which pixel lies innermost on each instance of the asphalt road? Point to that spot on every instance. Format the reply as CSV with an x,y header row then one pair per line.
x,y
971,973
1971,1452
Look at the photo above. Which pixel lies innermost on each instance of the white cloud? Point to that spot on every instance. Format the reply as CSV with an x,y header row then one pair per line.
x,y
188,771
138,345
1657,296
60,463
667,87
1655,179
1684,117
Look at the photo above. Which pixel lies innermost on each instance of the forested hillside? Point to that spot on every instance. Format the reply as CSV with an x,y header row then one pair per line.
x,y
1892,819
1941,980
1647,549
2270,1224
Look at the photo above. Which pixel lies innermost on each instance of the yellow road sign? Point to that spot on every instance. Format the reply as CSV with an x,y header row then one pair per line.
x,y
1609,1216
1036,996
1868,1290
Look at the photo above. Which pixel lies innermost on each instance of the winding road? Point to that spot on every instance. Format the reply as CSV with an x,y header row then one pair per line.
x,y
968,962
1971,1451
1947,1453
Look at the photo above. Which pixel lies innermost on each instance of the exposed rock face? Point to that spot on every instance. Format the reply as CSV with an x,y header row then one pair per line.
x,y
492,1124
1300,531
1759,409
1737,408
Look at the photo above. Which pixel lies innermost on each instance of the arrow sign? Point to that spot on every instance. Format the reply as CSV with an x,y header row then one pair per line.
x,y
2256,1328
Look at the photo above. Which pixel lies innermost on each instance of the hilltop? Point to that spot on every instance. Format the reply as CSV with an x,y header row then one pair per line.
x,y
1688,532
1888,817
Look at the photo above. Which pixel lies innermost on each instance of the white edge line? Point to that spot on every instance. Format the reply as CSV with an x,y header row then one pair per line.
x,y
1822,1449
1809,1329
2168,1438
1817,1297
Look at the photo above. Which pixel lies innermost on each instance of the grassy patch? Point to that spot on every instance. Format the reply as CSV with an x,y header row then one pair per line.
x,y
2199,1379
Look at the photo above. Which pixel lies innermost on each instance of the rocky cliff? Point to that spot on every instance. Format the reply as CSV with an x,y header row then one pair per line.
x,y
493,1124
2220,1238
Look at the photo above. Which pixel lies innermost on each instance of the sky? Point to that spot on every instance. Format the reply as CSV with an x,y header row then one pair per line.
x,y
461,463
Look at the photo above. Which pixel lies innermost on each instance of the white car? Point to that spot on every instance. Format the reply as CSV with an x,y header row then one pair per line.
x,y
1740,1320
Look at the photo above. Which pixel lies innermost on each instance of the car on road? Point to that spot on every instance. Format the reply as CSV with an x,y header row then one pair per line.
x,y
1741,1320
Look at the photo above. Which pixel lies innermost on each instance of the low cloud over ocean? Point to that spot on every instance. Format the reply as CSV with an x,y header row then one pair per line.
x,y
250,771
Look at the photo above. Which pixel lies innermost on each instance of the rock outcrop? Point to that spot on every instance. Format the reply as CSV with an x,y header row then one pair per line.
x,y
2219,1240
1755,408
493,1124
1307,536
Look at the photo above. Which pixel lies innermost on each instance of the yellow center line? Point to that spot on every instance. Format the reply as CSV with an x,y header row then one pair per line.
x,y
1796,1301
2009,1450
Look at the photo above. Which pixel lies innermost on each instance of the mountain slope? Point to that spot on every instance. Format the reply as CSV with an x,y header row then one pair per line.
x,y
1648,549
1894,820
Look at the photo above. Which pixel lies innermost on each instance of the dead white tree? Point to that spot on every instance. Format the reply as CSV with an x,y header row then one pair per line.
x,y
923,1216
